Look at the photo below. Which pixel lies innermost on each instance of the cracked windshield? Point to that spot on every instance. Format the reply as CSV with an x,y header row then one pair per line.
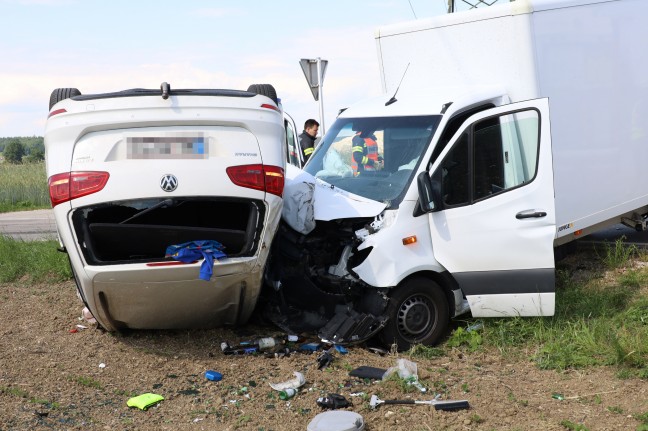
x,y
373,157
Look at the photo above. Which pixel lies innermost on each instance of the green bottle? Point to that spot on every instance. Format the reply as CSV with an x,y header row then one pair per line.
x,y
287,393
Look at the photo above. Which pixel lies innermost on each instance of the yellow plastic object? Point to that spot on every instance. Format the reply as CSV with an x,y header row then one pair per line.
x,y
144,401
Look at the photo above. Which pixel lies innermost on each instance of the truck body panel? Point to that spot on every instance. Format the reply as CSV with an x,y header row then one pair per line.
x,y
586,57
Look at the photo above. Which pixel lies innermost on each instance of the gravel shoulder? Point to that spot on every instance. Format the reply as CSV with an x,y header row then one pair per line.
x,y
51,379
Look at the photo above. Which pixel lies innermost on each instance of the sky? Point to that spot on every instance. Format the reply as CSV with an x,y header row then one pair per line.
x,y
101,46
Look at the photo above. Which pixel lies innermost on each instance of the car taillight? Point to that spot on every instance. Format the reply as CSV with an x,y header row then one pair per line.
x,y
258,177
269,106
56,112
71,185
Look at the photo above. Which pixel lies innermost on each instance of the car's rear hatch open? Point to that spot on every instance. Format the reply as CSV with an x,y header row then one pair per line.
x,y
165,176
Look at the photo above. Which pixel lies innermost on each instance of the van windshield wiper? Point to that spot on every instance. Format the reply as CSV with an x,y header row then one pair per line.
x,y
161,204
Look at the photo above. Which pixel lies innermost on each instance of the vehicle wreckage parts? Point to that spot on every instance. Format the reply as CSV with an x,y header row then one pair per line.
x,y
418,314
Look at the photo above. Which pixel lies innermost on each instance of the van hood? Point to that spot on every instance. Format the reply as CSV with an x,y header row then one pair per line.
x,y
329,202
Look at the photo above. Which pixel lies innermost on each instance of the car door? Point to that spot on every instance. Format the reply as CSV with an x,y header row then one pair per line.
x,y
294,154
496,224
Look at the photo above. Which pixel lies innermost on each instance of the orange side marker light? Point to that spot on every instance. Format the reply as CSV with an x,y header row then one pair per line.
x,y
409,240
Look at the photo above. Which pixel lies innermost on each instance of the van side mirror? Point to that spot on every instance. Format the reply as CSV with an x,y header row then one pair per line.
x,y
427,201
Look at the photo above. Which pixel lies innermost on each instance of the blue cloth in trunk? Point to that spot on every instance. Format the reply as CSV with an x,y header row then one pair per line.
x,y
193,250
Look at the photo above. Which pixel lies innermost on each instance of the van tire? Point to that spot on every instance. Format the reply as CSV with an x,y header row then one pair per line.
x,y
62,94
264,90
418,314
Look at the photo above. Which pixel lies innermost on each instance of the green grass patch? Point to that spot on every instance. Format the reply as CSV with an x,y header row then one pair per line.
x,y
463,337
618,254
425,352
88,382
598,321
37,260
24,187
573,426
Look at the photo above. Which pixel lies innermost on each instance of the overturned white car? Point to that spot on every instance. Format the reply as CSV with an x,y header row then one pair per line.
x,y
135,172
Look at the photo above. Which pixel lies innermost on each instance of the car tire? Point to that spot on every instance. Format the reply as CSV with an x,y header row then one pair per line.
x,y
264,90
62,94
418,314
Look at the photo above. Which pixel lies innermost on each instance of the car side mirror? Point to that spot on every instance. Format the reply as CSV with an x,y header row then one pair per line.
x,y
428,198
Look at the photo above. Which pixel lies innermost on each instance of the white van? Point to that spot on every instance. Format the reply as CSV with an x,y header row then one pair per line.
x,y
132,173
504,132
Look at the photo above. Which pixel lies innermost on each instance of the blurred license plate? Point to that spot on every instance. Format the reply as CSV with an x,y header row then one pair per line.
x,y
177,146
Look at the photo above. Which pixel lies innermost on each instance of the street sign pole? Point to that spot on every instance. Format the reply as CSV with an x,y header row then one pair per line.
x,y
321,95
314,71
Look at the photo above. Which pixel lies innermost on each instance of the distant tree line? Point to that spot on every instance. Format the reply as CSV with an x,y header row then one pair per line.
x,y
22,149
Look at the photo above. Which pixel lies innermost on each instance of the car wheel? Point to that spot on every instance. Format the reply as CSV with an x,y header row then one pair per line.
x,y
264,90
62,94
418,314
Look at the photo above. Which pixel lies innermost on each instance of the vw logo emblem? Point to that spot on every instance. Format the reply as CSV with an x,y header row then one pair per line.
x,y
169,183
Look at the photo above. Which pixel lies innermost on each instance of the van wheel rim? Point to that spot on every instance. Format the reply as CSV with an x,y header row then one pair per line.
x,y
415,316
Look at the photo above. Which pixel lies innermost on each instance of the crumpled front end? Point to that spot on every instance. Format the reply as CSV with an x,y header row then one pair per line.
x,y
311,271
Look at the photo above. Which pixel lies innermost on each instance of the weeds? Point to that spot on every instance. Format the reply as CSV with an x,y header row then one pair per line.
x,y
24,187
88,382
461,337
619,254
573,426
425,352
38,259
615,409
597,321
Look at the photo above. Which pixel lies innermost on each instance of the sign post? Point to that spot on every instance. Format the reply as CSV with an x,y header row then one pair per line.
x,y
314,70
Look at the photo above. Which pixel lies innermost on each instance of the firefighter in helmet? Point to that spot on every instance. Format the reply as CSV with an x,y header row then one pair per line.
x,y
364,152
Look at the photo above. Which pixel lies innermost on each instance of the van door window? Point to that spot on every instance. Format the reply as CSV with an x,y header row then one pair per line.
x,y
492,156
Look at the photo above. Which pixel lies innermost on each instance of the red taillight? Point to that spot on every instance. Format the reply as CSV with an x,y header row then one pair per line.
x,y
274,180
71,185
258,177
58,111
269,106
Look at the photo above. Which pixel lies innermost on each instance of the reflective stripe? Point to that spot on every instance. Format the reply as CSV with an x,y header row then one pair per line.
x,y
365,159
308,151
358,149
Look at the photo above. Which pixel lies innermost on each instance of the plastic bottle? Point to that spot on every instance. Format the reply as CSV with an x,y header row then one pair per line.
x,y
265,343
287,394
268,343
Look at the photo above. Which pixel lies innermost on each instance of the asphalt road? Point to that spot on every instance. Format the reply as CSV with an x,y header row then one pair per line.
x,y
39,225
35,225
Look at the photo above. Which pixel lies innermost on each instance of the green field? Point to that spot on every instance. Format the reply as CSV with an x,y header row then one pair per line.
x,y
23,187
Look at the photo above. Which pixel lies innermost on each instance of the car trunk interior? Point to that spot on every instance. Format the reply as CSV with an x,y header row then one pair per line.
x,y
141,230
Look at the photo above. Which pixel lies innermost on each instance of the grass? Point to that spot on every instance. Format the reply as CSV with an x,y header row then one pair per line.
x,y
602,320
36,260
19,393
573,426
24,187
88,382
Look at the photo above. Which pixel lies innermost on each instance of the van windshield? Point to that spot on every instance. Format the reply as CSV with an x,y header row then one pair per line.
x,y
373,157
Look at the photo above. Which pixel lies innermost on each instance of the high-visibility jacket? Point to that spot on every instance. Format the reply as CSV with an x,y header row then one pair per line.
x,y
364,150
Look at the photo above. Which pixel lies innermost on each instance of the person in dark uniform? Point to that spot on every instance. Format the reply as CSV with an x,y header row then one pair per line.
x,y
307,138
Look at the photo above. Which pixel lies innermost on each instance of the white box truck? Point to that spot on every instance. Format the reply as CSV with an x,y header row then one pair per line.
x,y
504,132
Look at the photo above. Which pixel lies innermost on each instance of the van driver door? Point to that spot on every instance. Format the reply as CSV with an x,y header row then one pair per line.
x,y
494,226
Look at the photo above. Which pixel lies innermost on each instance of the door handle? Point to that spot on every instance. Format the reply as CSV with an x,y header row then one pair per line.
x,y
530,214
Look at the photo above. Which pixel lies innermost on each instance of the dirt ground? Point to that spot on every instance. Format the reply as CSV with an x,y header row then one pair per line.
x,y
51,379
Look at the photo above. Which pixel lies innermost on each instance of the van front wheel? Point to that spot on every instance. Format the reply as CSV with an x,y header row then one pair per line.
x,y
418,314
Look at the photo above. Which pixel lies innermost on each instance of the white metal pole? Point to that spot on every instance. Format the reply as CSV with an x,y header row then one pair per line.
x,y
320,78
